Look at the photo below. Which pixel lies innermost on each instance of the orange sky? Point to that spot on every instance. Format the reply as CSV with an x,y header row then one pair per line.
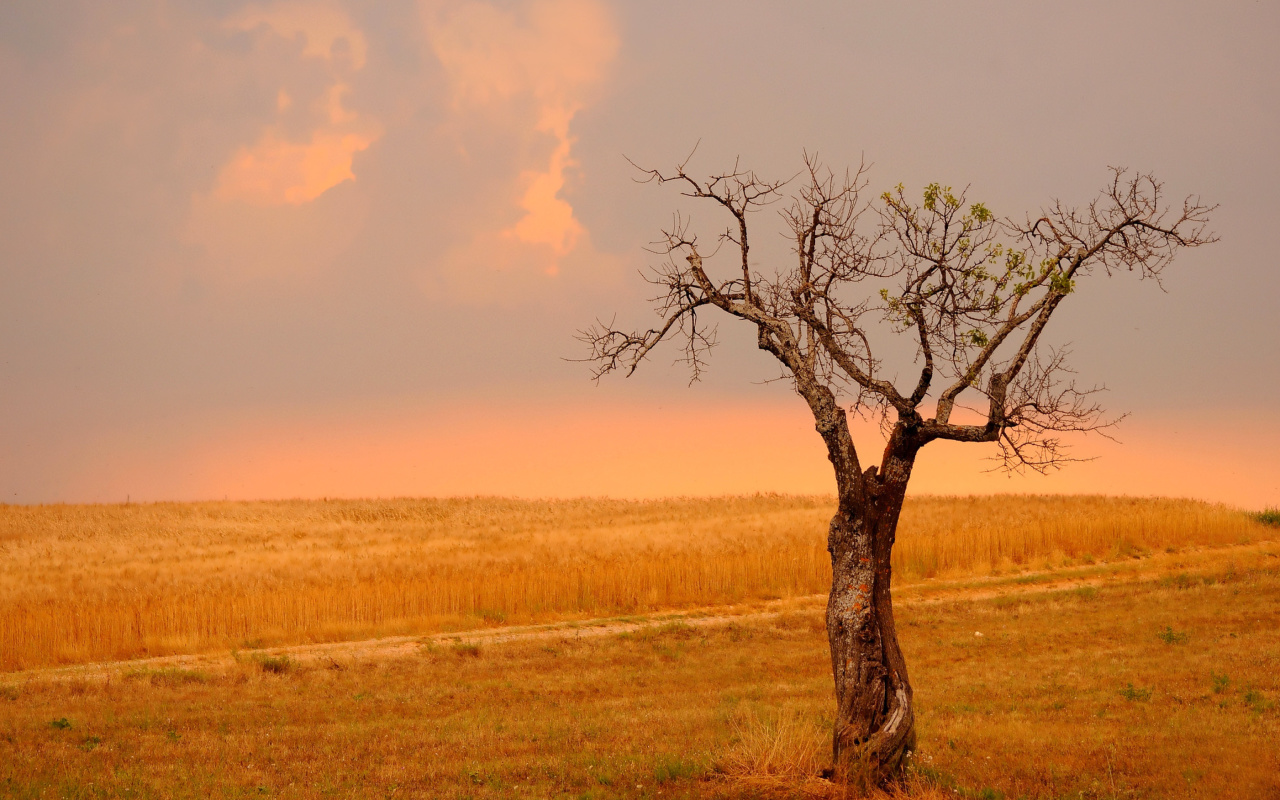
x,y
636,450
322,247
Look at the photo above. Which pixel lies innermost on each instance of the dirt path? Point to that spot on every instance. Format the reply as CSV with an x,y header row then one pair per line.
x,y
1146,569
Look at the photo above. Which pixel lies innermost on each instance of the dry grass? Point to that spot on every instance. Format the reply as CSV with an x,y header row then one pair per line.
x,y
87,583
1068,694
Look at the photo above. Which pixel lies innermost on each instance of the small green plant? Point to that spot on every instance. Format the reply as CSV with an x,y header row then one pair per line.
x,y
1257,701
8,692
1135,694
1180,581
1170,636
674,768
173,736
1271,516
1085,593
277,665
1220,683
466,650
90,743
167,677
61,724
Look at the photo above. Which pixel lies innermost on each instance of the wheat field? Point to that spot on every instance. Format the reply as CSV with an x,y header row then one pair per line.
x,y
99,582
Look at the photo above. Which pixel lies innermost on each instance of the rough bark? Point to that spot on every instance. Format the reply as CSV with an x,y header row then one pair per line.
x,y
875,718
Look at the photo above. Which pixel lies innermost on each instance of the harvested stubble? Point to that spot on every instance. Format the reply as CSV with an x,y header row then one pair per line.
x,y
86,583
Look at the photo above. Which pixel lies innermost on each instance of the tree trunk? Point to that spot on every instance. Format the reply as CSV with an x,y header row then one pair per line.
x,y
875,720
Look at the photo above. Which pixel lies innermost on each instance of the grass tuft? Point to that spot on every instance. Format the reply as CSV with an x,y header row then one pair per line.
x,y
466,650
772,755
276,665
169,677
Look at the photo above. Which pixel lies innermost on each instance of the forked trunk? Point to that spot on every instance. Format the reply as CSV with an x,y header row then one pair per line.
x,y
875,720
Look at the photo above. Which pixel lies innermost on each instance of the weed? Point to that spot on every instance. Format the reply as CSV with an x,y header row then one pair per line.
x,y
1180,581
1170,636
466,650
61,724
605,778
675,768
8,692
1134,694
1220,683
167,677
770,753
1270,516
679,630
667,653
277,665
1257,701
90,743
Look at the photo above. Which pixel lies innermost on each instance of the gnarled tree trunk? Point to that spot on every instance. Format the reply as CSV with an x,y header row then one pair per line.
x,y
875,718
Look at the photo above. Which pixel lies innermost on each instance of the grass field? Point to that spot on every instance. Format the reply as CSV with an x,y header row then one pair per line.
x,y
88,583
1151,677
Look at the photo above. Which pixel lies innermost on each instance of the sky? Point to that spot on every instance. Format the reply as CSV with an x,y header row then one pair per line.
x,y
307,249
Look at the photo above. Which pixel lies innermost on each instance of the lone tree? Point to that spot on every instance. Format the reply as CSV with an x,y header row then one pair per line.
x,y
972,290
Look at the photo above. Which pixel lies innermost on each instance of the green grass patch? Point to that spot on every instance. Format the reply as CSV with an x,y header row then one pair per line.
x,y
276,665
1135,694
170,677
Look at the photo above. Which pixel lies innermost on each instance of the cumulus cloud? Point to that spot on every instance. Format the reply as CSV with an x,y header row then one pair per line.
x,y
326,31
284,169
277,170
530,69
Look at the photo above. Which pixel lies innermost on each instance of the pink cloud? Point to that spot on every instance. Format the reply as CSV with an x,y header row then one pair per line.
x,y
280,169
554,53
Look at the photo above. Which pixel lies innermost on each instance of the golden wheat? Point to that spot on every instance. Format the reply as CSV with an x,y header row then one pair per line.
x,y
1164,688
82,583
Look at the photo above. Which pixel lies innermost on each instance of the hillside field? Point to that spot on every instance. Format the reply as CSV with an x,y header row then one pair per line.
x,y
1147,677
93,583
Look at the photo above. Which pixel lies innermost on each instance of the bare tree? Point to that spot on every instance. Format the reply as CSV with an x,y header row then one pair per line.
x,y
973,291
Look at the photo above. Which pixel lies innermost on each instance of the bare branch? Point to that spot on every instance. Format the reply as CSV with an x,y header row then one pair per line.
x,y
975,292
